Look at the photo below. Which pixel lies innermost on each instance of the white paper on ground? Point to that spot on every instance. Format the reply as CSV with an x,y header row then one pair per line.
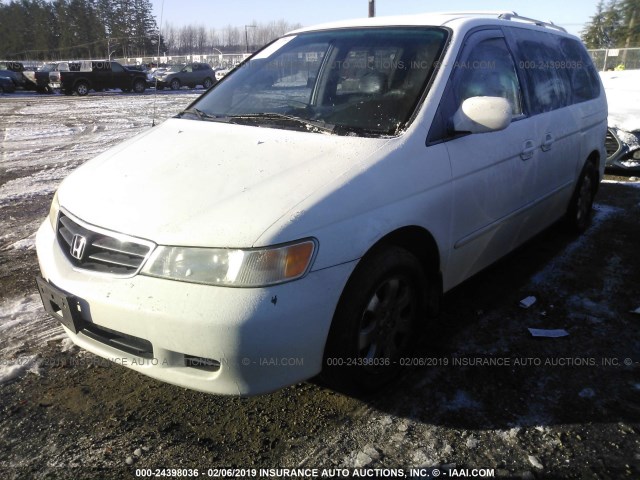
x,y
543,332
527,302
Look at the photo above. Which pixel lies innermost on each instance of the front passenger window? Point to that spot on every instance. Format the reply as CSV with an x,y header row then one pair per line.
x,y
489,71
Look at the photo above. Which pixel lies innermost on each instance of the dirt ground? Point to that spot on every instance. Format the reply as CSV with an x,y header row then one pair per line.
x,y
491,397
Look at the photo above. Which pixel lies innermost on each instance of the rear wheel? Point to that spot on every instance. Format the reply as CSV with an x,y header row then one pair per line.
x,y
208,83
175,84
82,88
578,216
376,323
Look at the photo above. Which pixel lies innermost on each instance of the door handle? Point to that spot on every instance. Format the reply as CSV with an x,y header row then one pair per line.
x,y
548,142
528,148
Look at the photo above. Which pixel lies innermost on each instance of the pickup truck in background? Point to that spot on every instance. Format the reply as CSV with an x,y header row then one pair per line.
x,y
101,75
48,76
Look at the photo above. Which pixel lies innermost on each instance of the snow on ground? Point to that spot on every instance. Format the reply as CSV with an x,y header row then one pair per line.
x,y
623,97
44,138
23,322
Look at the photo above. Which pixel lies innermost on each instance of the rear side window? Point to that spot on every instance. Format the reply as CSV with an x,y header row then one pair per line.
x,y
583,76
558,70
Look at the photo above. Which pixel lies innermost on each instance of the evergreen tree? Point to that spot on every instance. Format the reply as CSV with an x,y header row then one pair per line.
x,y
614,25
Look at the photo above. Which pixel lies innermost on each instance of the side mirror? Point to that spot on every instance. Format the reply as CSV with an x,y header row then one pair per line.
x,y
482,115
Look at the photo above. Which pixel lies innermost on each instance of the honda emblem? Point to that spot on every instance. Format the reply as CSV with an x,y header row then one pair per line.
x,y
78,244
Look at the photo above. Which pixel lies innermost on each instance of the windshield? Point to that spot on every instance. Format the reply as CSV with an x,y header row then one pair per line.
x,y
49,67
365,81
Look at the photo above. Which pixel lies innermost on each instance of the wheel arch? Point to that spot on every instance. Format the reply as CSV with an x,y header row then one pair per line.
x,y
422,244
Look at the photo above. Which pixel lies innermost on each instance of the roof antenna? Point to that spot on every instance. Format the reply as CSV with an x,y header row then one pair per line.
x,y
155,94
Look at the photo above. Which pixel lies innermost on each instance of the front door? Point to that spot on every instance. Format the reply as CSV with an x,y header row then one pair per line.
x,y
490,171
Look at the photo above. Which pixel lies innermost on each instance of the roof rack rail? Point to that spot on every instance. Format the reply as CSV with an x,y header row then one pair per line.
x,y
540,23
508,15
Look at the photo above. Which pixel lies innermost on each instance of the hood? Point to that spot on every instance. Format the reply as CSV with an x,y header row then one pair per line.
x,y
195,183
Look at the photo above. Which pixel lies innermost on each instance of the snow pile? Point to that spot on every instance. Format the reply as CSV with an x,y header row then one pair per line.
x,y
23,321
623,96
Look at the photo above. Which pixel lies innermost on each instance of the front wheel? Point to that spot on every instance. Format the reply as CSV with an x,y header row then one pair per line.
x,y
175,84
578,216
208,83
377,320
139,86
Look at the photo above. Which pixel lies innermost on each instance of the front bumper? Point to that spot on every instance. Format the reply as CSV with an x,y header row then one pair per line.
x,y
246,341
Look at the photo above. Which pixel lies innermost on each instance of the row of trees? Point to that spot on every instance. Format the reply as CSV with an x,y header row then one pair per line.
x,y
615,25
39,29
57,29
200,39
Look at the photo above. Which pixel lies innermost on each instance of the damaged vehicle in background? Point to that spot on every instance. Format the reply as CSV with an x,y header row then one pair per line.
x,y
623,151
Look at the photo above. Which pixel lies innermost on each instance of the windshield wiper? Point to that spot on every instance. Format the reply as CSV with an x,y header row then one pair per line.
x,y
311,125
202,115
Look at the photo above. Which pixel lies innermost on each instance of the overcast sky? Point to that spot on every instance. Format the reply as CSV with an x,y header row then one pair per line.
x,y
571,14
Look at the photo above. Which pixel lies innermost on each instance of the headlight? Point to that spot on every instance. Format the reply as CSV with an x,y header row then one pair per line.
x,y
258,267
53,211
636,155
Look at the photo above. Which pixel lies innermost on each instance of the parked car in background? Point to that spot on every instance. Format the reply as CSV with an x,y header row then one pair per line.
x,y
222,72
305,215
14,71
190,75
102,75
7,85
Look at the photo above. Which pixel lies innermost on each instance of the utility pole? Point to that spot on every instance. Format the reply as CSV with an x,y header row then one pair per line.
x,y
372,8
246,34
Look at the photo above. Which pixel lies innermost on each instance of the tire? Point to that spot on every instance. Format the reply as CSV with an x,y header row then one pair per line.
x,y
175,84
208,83
139,86
82,88
578,216
376,323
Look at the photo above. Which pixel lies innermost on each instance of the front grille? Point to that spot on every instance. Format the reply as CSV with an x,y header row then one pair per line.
x,y
611,143
90,249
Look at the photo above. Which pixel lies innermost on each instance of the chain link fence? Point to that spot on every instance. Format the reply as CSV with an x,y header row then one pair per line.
x,y
616,58
222,60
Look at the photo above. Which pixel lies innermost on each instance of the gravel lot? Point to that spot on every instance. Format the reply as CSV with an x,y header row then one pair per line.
x,y
491,397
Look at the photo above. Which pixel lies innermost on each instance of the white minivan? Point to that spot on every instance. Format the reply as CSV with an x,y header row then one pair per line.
x,y
305,215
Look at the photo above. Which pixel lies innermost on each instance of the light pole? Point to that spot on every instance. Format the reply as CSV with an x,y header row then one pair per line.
x,y
372,8
109,52
246,34
220,55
